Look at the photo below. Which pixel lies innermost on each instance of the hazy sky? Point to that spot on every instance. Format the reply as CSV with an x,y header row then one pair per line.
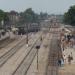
x,y
50,6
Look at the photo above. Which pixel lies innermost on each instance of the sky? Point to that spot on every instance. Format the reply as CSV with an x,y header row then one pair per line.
x,y
49,6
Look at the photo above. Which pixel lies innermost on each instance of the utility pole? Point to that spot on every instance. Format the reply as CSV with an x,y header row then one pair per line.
x,y
27,34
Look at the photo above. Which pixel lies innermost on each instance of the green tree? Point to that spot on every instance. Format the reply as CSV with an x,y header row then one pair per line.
x,y
3,17
28,16
43,15
69,17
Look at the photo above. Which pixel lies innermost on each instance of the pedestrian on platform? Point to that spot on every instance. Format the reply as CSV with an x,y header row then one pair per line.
x,y
59,62
21,35
69,59
41,39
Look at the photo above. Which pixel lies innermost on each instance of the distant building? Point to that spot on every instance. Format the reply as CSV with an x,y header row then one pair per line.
x,y
52,21
13,18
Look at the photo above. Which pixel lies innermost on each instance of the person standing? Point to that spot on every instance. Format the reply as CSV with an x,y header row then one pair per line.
x,y
69,59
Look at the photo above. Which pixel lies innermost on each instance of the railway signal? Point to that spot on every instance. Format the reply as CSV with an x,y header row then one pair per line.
x,y
37,47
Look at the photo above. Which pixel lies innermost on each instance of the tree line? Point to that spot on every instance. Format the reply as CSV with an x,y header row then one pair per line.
x,y
28,16
69,16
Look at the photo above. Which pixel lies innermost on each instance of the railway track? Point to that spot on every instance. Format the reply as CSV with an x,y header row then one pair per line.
x,y
6,43
3,42
54,54
66,73
4,58
24,66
